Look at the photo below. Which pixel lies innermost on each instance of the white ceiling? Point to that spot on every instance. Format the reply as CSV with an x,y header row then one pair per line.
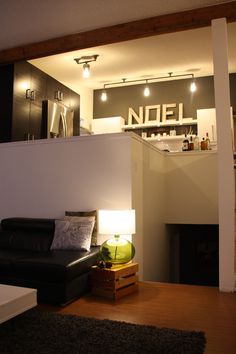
x,y
182,52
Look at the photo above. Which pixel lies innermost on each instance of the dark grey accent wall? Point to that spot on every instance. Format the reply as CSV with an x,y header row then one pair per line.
x,y
176,91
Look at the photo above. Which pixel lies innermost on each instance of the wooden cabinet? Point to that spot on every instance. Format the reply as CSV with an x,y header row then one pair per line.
x,y
29,90
6,101
23,89
58,92
20,109
37,95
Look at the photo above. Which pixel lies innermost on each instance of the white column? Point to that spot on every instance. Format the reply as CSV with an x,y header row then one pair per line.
x,y
225,155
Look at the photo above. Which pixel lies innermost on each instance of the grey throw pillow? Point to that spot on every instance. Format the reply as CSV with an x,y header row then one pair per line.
x,y
87,214
72,235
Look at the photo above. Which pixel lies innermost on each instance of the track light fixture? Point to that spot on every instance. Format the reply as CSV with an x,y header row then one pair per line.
x,y
146,91
85,60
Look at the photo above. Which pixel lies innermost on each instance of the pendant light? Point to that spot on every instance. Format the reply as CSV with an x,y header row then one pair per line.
x,y
86,70
146,90
193,87
104,96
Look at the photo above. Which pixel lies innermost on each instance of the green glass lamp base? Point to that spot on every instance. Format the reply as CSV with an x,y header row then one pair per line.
x,y
117,250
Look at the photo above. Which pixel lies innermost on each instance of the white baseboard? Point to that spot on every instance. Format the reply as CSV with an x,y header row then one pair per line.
x,y
232,289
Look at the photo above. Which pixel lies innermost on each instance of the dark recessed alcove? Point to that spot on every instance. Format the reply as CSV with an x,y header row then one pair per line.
x,y
194,254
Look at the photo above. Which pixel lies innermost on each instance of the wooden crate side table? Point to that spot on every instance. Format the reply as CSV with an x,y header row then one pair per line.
x,y
115,282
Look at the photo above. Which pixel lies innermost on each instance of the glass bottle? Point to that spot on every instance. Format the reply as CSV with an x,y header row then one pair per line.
x,y
191,144
203,144
185,145
196,143
207,142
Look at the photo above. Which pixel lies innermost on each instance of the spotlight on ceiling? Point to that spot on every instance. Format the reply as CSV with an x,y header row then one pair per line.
x,y
85,60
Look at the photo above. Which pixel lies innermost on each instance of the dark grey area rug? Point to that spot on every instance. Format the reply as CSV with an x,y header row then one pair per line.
x,y
37,332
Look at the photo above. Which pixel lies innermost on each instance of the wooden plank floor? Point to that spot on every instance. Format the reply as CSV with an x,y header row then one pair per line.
x,y
187,307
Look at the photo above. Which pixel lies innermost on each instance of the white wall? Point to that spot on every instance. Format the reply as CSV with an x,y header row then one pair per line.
x,y
192,188
148,199
155,241
137,201
24,21
178,188
46,177
226,171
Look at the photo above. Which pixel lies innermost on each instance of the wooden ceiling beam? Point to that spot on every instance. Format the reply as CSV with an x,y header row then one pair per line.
x,y
157,25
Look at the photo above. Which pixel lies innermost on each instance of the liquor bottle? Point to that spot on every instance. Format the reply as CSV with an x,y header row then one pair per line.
x,y
196,143
185,144
191,144
207,142
203,144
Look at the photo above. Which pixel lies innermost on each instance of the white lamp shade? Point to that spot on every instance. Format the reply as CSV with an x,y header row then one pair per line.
x,y
116,222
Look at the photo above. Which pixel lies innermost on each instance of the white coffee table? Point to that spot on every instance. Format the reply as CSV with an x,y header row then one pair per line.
x,y
15,300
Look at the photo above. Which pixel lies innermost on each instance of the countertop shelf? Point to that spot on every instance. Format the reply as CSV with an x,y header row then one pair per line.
x,y
185,121
168,137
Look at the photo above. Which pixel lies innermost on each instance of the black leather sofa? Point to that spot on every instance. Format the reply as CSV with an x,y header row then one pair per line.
x,y
59,276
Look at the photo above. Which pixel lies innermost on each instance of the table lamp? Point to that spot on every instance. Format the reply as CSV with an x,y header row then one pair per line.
x,y
117,250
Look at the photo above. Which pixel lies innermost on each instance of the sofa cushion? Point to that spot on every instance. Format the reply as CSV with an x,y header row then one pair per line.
x,y
7,257
27,234
55,266
5,239
87,213
73,234
20,240
28,224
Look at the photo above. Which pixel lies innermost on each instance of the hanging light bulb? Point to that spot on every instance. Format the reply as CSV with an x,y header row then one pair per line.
x,y
84,61
86,70
146,90
104,96
193,87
